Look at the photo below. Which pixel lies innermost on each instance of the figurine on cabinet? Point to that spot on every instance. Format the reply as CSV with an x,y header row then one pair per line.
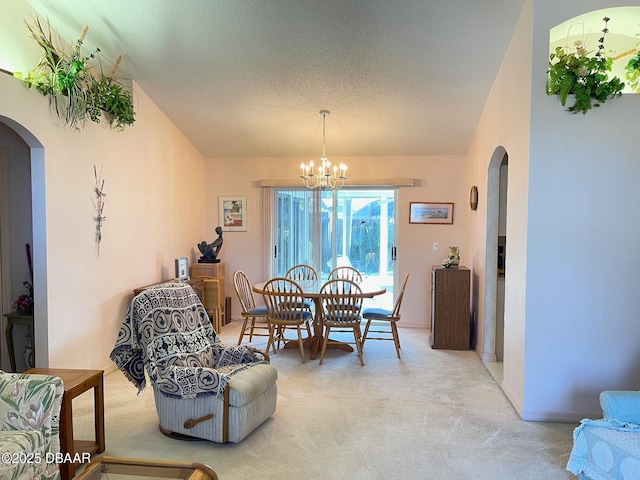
x,y
210,251
453,260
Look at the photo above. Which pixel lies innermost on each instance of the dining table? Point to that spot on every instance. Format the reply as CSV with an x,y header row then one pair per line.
x,y
311,290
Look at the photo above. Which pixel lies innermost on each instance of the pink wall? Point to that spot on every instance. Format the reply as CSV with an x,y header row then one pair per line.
x,y
505,124
154,208
438,179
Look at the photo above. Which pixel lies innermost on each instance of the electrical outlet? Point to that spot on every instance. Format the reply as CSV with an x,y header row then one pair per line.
x,y
436,247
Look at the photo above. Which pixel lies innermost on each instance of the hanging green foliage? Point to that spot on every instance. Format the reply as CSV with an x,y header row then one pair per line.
x,y
583,75
75,92
633,72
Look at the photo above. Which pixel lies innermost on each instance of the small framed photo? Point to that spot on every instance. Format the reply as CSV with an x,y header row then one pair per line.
x,y
182,269
233,214
431,212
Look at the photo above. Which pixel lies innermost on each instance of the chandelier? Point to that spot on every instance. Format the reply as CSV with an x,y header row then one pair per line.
x,y
326,177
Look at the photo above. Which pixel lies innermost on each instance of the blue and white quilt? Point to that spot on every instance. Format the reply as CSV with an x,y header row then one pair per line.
x,y
167,332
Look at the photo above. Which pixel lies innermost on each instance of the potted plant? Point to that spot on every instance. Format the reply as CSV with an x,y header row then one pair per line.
x,y
74,92
582,75
114,101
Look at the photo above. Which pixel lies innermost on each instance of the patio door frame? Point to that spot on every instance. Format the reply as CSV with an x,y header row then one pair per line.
x,y
314,225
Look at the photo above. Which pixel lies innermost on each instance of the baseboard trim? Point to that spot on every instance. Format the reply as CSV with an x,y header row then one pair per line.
x,y
546,415
489,357
557,417
507,393
112,367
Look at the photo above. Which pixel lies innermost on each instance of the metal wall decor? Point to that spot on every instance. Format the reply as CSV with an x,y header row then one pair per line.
x,y
473,198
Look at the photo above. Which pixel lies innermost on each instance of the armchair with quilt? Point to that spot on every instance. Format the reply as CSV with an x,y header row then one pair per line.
x,y
609,448
202,388
29,422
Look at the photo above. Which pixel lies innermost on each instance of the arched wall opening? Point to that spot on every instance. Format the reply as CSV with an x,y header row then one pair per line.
x,y
491,255
39,240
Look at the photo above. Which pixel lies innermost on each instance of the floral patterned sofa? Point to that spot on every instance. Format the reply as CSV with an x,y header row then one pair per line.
x,y
29,421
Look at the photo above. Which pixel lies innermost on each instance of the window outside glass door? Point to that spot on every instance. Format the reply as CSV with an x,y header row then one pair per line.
x,y
325,229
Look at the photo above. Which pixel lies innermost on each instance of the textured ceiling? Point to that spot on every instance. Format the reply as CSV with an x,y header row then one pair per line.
x,y
247,78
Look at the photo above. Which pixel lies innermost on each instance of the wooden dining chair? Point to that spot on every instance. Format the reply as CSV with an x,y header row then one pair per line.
x,y
303,273
346,273
386,317
283,298
250,311
341,303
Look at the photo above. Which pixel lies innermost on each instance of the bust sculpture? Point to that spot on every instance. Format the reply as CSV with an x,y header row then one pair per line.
x,y
210,251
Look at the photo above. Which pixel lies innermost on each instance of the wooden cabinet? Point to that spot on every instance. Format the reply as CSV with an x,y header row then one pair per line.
x,y
215,270
197,271
450,318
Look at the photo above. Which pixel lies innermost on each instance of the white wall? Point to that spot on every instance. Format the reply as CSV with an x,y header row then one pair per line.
x,y
582,281
438,179
571,307
154,209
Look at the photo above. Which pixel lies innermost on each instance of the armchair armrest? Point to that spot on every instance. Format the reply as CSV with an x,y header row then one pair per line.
x,y
32,402
190,382
262,353
621,405
233,355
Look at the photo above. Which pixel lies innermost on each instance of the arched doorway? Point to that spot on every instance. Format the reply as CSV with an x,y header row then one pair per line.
x,y
35,156
495,260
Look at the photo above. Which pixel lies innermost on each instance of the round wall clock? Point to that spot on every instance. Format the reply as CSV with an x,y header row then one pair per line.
x,y
473,198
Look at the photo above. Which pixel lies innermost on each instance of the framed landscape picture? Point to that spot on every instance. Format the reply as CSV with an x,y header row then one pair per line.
x,y
431,212
233,214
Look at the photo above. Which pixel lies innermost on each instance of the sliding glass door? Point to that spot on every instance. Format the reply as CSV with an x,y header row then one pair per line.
x,y
295,229
325,229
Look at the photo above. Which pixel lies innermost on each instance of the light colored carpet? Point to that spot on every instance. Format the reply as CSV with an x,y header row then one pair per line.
x,y
435,414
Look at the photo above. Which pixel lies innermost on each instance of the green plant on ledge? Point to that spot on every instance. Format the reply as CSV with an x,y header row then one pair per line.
x,y
75,94
114,101
633,72
583,75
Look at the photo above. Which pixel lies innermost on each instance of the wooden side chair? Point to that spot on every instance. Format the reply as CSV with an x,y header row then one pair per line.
x,y
346,273
250,312
388,317
342,303
283,298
